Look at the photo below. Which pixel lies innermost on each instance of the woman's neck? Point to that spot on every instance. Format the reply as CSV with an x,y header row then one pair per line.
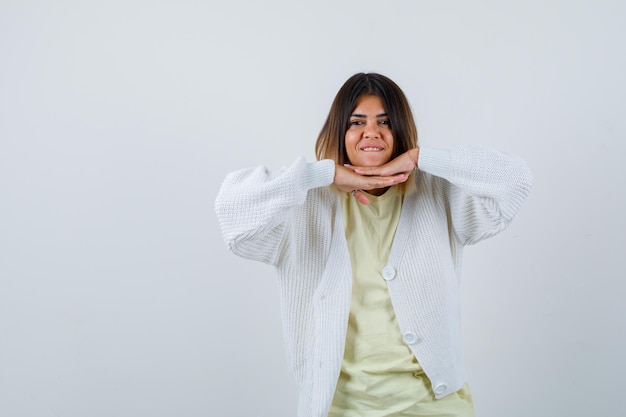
x,y
378,191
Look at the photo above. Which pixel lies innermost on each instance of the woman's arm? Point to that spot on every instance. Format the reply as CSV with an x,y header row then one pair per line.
x,y
485,188
253,203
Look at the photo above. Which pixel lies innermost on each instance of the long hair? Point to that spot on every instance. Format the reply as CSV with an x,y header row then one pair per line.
x,y
331,139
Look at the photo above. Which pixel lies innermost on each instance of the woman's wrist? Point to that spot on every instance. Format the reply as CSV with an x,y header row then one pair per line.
x,y
414,154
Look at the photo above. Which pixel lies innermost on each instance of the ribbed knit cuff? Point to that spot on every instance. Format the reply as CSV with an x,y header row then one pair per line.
x,y
319,173
437,162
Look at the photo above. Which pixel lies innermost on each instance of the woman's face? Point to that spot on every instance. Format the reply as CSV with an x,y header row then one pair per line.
x,y
369,139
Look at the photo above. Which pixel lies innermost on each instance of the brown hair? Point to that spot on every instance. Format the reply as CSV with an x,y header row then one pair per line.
x,y
331,139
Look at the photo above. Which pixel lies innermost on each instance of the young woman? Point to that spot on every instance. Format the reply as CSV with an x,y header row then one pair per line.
x,y
367,244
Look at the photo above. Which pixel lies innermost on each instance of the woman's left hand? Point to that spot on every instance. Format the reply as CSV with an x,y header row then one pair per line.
x,y
403,164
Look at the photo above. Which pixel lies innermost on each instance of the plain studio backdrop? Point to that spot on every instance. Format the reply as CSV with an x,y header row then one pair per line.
x,y
120,119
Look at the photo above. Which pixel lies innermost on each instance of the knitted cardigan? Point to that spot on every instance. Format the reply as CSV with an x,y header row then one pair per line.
x,y
291,218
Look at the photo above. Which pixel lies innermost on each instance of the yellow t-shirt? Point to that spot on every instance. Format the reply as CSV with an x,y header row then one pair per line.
x,y
380,376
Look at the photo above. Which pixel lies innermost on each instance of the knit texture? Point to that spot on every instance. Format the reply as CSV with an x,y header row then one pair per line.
x,y
291,218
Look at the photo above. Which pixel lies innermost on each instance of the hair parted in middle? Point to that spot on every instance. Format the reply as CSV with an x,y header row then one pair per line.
x,y
331,139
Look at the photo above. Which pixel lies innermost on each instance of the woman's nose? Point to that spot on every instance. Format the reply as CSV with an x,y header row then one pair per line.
x,y
371,130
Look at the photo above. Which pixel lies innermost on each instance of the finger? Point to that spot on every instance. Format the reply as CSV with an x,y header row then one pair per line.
x,y
373,171
378,182
401,164
364,169
361,197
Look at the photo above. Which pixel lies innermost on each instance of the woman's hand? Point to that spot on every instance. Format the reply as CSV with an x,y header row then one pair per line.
x,y
403,164
348,180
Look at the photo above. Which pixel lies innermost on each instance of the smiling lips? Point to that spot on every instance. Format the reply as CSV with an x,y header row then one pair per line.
x,y
371,149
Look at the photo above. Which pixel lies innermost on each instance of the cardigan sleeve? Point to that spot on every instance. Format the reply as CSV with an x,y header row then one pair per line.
x,y
253,204
485,188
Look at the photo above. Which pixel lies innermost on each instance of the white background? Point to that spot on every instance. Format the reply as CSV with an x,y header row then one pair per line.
x,y
119,120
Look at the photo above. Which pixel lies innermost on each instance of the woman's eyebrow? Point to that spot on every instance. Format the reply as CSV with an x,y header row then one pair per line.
x,y
365,117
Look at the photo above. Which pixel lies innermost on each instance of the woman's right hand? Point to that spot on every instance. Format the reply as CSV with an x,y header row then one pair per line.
x,y
349,181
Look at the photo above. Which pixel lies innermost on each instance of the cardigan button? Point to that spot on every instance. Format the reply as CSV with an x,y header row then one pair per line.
x,y
389,273
410,338
440,389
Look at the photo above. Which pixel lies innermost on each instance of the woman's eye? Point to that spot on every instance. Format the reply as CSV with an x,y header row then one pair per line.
x,y
355,123
385,122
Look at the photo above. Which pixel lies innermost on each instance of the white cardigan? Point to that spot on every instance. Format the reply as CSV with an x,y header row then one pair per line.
x,y
291,218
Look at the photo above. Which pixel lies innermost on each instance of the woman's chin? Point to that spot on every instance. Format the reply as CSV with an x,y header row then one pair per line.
x,y
371,162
